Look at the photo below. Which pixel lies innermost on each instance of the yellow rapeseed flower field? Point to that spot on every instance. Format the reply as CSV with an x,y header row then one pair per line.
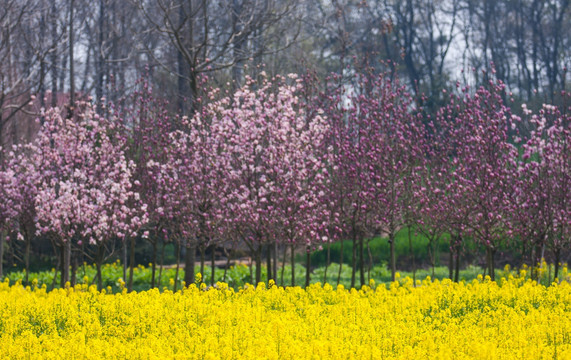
x,y
513,319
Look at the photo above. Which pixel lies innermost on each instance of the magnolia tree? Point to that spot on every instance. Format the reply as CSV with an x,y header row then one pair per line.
x,y
10,206
377,154
147,124
193,178
271,170
23,169
484,167
85,192
543,214
442,198
401,158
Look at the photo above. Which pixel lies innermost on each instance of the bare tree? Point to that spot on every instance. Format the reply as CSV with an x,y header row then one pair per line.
x,y
209,36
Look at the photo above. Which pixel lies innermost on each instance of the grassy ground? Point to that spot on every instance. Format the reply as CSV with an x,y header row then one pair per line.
x,y
240,275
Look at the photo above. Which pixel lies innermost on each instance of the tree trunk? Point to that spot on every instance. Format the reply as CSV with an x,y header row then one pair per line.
x,y
131,264
361,261
66,262
457,272
557,261
340,263
202,257
490,262
189,259
327,262
411,250
393,257
258,261
26,262
124,259
54,281
177,251
451,261
292,264
532,262
154,263
71,62
74,268
98,262
354,259
431,255
283,265
308,267
2,239
269,262
213,265
275,260
370,260
161,265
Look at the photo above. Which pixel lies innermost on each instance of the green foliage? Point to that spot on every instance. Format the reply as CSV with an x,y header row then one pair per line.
x,y
379,248
236,276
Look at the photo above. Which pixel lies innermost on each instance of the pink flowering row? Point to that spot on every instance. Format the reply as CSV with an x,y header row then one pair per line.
x,y
286,161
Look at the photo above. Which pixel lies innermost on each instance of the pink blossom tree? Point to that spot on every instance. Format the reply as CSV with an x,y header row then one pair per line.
x,y
85,193
485,167
192,177
23,169
269,141
543,212
11,204
377,142
146,124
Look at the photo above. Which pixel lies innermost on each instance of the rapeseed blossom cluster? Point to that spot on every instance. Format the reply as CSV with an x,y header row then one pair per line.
x,y
514,318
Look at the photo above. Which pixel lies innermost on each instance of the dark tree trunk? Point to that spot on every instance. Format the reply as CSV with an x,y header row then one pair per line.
x,y
490,252
177,252
74,265
308,267
98,262
189,259
292,264
457,271
71,61
66,256
202,259
370,260
258,260
275,261
26,261
54,54
59,260
2,239
154,264
411,250
340,263
451,261
361,262
283,266
392,256
327,262
124,259
161,265
213,265
131,264
354,258
269,262
557,261
532,262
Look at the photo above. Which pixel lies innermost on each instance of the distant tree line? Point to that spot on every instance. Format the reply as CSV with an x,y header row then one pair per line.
x,y
81,48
